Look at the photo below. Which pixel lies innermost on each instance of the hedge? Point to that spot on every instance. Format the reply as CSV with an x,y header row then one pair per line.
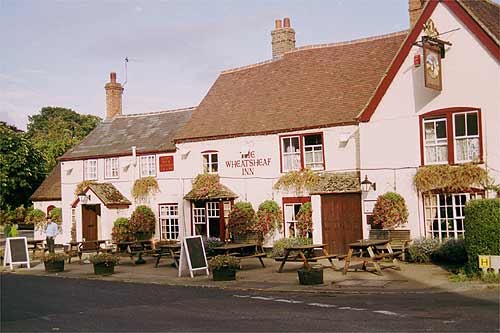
x,y
482,230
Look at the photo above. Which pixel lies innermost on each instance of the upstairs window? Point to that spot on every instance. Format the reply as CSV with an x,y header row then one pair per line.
x,y
302,151
148,166
111,167
436,142
90,170
451,136
210,162
466,137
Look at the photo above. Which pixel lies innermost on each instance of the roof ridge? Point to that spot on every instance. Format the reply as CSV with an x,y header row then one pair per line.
x,y
154,112
317,46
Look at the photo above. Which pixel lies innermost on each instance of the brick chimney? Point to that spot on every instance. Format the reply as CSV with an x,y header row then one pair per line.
x,y
114,92
415,8
283,37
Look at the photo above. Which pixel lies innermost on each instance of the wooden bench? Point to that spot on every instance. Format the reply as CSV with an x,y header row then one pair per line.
x,y
139,249
255,255
398,240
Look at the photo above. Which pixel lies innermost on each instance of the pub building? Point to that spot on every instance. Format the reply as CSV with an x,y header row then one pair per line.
x,y
367,113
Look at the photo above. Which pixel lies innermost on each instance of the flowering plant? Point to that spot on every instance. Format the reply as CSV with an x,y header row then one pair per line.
x,y
390,210
143,220
241,218
121,231
221,261
269,217
104,258
304,220
53,257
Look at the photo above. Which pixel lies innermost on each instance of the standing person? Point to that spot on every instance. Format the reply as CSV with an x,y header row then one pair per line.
x,y
51,233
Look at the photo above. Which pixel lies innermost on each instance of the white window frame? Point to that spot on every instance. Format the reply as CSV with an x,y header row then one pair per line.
x,y
314,150
169,221
291,154
148,166
434,211
466,137
209,166
443,142
213,209
90,170
291,221
111,167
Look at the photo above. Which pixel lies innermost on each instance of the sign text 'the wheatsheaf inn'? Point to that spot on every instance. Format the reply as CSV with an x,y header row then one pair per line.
x,y
248,163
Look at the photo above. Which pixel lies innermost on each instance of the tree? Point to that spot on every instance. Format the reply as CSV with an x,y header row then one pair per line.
x,y
54,130
22,167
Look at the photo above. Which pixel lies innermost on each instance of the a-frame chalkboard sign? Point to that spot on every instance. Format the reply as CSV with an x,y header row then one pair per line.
x,y
193,256
16,252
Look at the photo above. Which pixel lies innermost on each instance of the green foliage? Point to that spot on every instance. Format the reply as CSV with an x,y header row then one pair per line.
x,y
121,231
13,231
450,252
37,218
490,277
450,178
81,186
6,229
482,230
241,219
143,187
22,168
220,261
390,210
55,130
305,179
268,218
143,220
279,245
104,258
420,251
56,215
304,220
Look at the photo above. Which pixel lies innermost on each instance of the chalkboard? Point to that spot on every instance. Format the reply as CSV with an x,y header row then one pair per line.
x,y
193,253
16,251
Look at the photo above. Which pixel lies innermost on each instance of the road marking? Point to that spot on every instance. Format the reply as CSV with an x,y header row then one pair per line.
x,y
353,309
389,313
263,298
321,305
242,296
291,301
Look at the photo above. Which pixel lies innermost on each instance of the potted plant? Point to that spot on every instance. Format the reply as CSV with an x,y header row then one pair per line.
x,y
268,219
241,222
54,262
224,267
390,211
104,263
142,222
121,233
311,275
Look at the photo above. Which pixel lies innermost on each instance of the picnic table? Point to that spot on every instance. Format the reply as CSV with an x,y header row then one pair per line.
x,y
36,245
88,246
241,250
306,254
168,250
137,249
375,251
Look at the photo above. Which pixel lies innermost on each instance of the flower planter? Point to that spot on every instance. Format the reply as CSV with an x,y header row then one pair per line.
x,y
224,274
54,266
312,276
104,269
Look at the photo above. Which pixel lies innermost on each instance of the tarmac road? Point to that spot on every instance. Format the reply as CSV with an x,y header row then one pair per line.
x,y
34,303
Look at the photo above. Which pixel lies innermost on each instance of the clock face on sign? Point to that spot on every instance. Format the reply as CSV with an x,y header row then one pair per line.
x,y
432,65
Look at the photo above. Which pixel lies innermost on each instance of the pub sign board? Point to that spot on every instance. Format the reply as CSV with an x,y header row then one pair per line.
x,y
432,67
166,163
16,252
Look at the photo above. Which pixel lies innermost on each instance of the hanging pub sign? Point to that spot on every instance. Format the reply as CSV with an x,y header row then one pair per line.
x,y
432,66
166,163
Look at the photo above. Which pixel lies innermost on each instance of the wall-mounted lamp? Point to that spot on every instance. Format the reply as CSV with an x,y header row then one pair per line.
x,y
366,185
83,198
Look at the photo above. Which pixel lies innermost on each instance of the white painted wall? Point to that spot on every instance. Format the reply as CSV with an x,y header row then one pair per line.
x,y
43,205
390,141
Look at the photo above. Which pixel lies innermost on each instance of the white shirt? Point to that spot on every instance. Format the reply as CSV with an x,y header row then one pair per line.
x,y
51,230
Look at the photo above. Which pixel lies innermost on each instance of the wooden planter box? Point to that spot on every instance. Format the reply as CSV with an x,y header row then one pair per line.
x,y
224,274
312,276
104,269
54,266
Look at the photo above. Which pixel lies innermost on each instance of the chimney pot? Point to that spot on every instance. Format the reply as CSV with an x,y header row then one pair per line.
x,y
283,39
112,77
277,24
286,22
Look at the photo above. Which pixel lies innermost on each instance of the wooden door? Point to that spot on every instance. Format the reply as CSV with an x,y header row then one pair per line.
x,y
89,222
341,220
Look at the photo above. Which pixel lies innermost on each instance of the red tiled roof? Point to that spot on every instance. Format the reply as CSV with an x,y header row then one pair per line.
x,y
486,13
50,188
309,87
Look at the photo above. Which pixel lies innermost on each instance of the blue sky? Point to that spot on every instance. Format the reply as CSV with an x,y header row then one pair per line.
x,y
60,53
